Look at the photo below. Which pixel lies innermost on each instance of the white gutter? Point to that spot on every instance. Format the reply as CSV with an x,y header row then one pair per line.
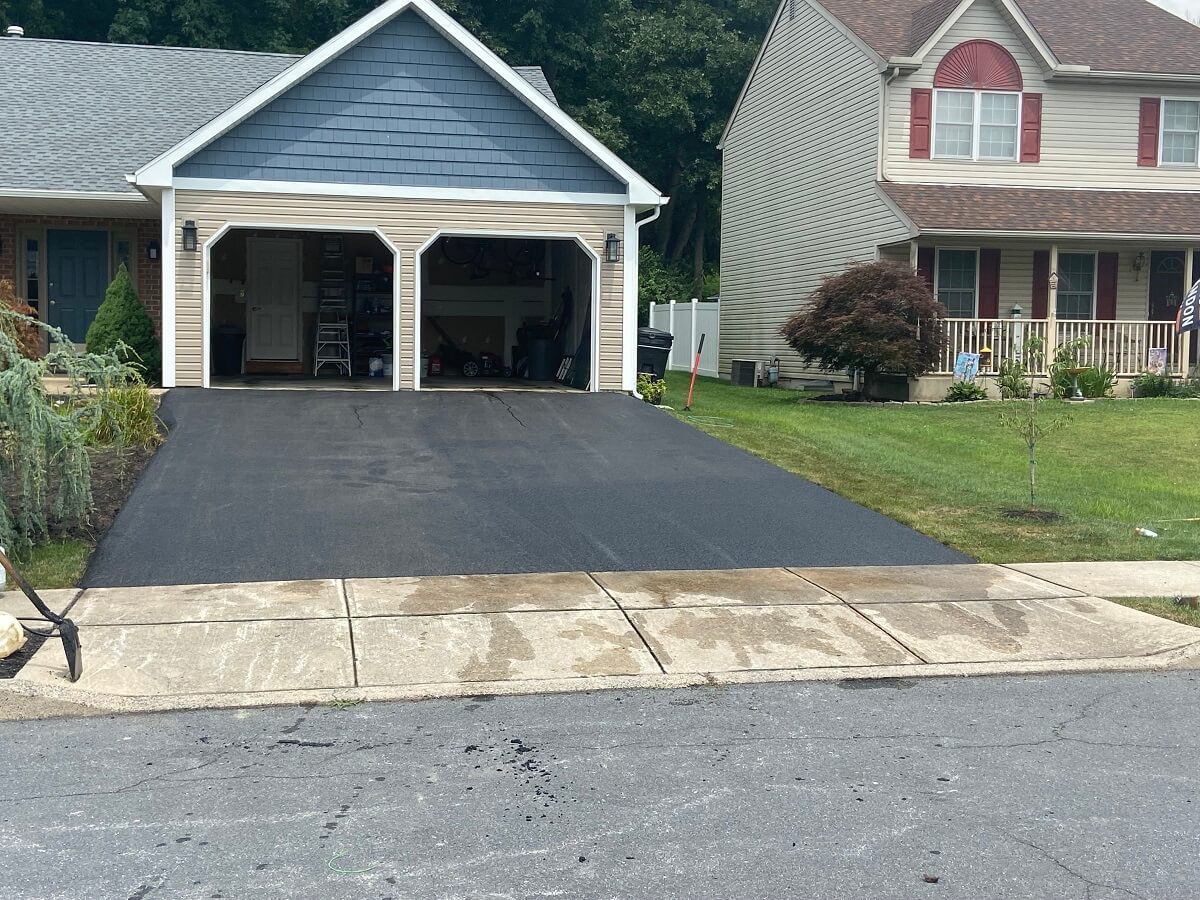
x,y
40,194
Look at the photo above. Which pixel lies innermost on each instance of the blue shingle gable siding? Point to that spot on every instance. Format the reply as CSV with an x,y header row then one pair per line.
x,y
403,107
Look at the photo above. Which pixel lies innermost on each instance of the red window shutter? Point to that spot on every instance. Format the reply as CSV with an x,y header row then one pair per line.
x,y
925,257
1041,283
1148,131
1106,286
989,284
1031,128
920,124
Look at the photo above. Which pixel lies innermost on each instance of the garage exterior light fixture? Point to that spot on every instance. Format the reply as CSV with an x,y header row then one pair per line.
x,y
191,236
612,248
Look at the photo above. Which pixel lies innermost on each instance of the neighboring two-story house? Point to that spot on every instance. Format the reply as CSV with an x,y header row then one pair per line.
x,y
1037,161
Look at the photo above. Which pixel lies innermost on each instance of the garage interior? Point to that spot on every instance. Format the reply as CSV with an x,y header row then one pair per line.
x,y
506,312
301,309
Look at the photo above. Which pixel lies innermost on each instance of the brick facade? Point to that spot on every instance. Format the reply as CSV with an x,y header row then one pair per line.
x,y
149,273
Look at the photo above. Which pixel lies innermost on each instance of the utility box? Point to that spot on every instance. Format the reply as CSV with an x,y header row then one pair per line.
x,y
745,372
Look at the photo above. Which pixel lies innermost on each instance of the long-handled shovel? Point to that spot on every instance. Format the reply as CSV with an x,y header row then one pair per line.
x,y
67,630
695,369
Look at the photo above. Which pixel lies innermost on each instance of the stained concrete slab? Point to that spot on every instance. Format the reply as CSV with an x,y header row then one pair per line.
x,y
1027,630
923,584
210,603
208,658
729,587
727,639
497,647
1121,579
17,604
444,594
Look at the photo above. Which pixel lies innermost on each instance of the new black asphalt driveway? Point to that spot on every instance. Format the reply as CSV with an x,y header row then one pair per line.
x,y
280,485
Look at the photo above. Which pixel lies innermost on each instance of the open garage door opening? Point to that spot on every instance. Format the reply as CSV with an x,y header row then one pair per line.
x,y
500,312
301,309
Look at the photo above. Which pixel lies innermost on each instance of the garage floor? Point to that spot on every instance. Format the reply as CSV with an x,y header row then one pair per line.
x,y
281,485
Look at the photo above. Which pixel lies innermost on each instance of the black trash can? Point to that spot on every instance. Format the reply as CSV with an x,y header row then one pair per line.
x,y
540,360
654,346
227,349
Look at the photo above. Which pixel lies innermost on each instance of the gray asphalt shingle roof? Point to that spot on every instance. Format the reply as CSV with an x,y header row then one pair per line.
x,y
81,116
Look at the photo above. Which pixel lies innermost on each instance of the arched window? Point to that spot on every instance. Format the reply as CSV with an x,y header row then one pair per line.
x,y
977,103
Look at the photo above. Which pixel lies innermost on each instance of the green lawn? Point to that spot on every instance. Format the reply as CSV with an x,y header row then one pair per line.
x,y
949,470
59,564
1164,607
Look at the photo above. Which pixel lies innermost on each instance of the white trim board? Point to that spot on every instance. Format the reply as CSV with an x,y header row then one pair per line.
x,y
319,227
159,172
397,192
594,379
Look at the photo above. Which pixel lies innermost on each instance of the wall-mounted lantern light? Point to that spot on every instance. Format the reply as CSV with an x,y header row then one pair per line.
x,y
1139,263
191,236
612,248
152,250
1054,281
1016,311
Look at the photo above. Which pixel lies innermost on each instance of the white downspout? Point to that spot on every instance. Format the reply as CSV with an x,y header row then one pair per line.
x,y
632,249
890,75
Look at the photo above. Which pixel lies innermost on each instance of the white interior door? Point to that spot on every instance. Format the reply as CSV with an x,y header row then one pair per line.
x,y
273,286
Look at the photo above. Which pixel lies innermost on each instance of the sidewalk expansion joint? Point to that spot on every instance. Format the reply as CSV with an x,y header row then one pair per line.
x,y
629,619
341,587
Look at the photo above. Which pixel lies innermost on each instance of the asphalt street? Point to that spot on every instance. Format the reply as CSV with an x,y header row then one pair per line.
x,y
1034,787
282,485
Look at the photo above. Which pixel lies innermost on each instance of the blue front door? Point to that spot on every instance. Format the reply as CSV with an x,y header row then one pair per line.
x,y
78,274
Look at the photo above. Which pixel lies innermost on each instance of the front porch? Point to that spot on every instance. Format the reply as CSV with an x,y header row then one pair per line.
x,y
1120,296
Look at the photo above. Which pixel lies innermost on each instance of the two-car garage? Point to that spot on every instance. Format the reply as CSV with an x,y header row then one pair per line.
x,y
402,203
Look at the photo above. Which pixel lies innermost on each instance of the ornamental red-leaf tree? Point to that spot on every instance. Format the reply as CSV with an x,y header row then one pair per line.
x,y
878,318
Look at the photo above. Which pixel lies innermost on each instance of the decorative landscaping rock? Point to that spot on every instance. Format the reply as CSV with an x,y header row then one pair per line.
x,y
12,636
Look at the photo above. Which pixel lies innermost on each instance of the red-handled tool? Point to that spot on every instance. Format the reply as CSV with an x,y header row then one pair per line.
x,y
695,369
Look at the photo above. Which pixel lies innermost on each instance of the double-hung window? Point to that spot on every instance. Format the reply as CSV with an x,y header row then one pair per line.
x,y
956,282
1076,285
1180,132
976,125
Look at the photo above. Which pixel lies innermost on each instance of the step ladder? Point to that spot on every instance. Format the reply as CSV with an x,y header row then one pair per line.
x,y
333,313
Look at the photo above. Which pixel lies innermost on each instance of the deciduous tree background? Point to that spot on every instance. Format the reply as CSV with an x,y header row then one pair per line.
x,y
654,79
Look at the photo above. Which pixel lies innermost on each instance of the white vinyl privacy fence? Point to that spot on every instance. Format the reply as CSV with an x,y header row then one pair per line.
x,y
687,321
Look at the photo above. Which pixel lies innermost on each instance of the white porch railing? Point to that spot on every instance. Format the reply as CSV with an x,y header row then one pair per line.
x,y
1122,347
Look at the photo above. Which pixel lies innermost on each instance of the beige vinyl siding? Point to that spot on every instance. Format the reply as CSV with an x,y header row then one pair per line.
x,y
408,224
1016,270
799,199
1089,131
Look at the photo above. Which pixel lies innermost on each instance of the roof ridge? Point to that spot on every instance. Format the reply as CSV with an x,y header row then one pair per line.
x,y
38,40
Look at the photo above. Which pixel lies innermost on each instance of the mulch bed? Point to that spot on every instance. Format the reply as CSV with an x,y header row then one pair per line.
x,y
115,471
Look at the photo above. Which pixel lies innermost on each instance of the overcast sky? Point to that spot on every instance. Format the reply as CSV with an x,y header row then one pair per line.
x,y
1188,8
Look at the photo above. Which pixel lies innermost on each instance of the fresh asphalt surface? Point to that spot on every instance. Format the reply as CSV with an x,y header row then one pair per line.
x,y
281,485
1063,787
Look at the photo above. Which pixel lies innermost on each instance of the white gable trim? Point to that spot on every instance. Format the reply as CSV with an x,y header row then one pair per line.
x,y
159,172
784,6
1015,15
397,192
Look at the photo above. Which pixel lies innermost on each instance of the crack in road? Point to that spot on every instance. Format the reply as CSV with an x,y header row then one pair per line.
x,y
1051,858
357,410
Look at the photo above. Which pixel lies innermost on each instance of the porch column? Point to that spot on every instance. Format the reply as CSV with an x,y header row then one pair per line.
x,y
912,254
1185,355
1052,309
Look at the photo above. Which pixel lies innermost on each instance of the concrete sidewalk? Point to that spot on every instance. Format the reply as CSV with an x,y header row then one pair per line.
x,y
313,641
